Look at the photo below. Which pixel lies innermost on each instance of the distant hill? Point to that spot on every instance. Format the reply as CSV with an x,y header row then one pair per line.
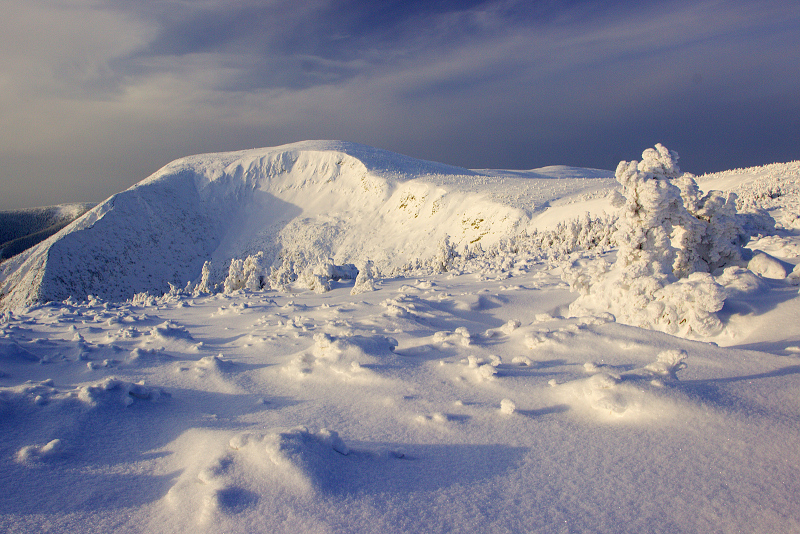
x,y
303,203
22,229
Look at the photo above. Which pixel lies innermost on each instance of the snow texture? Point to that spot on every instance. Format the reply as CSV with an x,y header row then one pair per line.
x,y
346,359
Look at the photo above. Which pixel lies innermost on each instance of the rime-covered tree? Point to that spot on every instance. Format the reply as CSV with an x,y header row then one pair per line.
x,y
670,238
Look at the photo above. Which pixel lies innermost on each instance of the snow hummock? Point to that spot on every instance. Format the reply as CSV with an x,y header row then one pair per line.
x,y
338,389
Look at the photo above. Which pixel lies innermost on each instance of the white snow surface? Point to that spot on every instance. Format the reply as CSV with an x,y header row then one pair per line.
x,y
456,394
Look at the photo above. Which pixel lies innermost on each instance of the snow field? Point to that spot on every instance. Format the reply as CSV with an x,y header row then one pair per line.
x,y
465,392
434,403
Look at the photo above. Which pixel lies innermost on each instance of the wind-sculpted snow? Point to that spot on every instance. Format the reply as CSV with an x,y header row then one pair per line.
x,y
300,385
445,403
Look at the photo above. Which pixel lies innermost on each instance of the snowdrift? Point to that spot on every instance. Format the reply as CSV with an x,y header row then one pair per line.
x,y
310,201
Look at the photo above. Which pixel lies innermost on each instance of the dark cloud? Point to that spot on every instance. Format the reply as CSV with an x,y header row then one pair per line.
x,y
286,44
102,94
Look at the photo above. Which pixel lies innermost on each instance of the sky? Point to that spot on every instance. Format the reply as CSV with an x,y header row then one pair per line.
x,y
95,95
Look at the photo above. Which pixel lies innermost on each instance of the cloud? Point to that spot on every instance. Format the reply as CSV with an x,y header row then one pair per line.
x,y
63,47
121,87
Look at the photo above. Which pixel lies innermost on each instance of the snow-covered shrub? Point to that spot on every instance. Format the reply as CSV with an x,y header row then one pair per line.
x,y
585,234
249,273
315,273
255,271
669,237
687,306
282,276
348,271
204,285
255,274
143,299
775,187
582,233
444,258
236,277
315,281
653,209
365,280
318,276
720,231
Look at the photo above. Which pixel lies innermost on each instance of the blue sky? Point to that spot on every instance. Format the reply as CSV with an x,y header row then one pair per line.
x,y
97,94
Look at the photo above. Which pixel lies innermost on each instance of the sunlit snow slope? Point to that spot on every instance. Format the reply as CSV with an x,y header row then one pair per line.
x,y
321,199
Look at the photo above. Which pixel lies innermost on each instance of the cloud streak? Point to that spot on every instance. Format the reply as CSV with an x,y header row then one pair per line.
x,y
109,91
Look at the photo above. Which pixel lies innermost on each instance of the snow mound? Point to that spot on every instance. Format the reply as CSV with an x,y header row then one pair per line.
x,y
107,392
766,266
305,455
347,358
31,454
11,350
634,394
112,390
251,468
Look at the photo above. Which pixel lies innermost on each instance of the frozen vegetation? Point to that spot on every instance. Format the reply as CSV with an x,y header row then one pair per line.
x,y
671,239
326,337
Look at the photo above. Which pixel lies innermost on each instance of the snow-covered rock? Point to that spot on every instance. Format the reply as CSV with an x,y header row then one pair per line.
x,y
766,266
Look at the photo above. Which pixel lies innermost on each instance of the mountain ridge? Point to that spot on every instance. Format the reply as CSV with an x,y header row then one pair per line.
x,y
331,199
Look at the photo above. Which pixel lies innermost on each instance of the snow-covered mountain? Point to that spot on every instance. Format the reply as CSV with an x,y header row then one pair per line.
x,y
312,200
